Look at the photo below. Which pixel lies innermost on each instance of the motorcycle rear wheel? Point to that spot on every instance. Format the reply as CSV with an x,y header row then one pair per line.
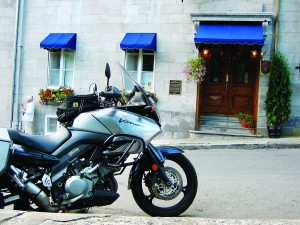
x,y
157,199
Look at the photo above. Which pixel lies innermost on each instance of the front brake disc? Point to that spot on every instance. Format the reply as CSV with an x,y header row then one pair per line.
x,y
165,192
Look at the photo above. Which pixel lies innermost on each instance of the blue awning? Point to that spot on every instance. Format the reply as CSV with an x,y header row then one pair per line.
x,y
59,40
139,41
229,34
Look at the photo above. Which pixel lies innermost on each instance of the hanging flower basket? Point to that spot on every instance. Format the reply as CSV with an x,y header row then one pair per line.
x,y
195,70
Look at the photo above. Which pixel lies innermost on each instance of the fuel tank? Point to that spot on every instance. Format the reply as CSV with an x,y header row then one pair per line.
x,y
117,121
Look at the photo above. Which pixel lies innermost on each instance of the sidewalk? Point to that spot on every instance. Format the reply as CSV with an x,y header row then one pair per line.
x,y
10,217
220,142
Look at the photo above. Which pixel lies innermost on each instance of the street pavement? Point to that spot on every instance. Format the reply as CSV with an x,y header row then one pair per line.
x,y
221,142
8,216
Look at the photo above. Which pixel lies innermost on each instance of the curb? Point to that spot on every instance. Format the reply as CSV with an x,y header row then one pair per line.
x,y
244,146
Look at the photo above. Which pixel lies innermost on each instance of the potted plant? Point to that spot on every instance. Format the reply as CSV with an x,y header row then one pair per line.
x,y
250,123
241,117
247,120
278,100
55,95
195,70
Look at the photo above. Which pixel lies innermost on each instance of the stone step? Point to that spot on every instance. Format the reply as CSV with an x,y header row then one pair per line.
x,y
227,129
203,134
222,125
230,123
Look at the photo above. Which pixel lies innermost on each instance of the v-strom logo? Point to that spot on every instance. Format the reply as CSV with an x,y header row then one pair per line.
x,y
129,122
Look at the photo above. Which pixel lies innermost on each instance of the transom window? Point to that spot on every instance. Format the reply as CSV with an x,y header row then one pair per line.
x,y
61,68
140,65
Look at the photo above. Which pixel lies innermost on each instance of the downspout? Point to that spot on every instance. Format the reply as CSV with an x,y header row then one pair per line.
x,y
276,25
15,75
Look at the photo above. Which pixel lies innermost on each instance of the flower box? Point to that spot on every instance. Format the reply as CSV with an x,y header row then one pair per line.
x,y
54,96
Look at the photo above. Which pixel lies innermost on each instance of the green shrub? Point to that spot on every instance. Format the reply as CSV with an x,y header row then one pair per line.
x,y
278,100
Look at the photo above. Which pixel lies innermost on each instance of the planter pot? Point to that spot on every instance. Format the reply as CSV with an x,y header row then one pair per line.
x,y
274,131
244,123
51,102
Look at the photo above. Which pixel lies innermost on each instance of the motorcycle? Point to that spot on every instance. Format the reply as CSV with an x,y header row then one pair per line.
x,y
75,168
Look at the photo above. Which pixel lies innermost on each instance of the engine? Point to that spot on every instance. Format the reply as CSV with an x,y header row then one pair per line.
x,y
81,185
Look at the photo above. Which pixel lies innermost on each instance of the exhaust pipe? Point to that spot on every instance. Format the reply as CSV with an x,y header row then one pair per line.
x,y
37,195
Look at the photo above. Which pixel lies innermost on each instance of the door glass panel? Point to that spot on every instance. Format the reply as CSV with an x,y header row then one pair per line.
x,y
241,62
216,69
242,73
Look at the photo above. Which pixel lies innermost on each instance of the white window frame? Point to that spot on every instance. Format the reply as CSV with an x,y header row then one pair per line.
x,y
140,65
61,69
58,125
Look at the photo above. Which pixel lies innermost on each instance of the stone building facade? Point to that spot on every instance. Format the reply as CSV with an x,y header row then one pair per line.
x,y
101,25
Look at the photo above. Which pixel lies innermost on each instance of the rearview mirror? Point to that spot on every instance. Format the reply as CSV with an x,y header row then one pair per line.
x,y
93,88
107,73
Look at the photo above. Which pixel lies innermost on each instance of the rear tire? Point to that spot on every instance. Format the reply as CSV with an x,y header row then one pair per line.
x,y
151,194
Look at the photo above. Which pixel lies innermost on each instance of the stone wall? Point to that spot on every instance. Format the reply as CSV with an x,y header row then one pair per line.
x,y
289,45
101,26
7,41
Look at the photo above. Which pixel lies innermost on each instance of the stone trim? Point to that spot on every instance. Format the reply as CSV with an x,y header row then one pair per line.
x,y
233,16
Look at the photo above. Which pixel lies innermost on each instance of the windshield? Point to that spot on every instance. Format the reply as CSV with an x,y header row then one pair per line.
x,y
130,84
128,81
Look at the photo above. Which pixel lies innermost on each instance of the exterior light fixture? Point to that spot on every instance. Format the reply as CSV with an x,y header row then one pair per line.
x,y
265,28
253,53
205,53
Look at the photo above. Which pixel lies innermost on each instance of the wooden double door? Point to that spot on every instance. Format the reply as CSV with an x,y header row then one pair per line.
x,y
230,83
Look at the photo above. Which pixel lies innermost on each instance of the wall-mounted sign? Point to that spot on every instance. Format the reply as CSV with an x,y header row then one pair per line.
x,y
265,66
175,87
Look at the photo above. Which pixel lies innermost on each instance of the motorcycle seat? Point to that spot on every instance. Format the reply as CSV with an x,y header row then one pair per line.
x,y
43,143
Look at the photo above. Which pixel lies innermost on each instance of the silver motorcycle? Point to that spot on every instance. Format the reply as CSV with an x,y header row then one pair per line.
x,y
75,167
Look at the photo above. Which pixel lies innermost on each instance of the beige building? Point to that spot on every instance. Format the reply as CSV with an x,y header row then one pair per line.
x,y
233,36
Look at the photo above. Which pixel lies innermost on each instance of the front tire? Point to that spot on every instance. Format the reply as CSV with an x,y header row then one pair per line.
x,y
157,199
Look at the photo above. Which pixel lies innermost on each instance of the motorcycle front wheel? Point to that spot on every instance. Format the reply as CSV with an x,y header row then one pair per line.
x,y
156,198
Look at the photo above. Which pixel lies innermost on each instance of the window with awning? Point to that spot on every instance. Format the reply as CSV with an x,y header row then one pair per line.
x,y
61,49
140,57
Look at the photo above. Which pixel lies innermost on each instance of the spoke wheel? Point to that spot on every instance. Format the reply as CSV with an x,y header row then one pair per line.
x,y
158,199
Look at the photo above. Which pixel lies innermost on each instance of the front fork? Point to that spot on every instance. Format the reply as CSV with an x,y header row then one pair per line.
x,y
153,158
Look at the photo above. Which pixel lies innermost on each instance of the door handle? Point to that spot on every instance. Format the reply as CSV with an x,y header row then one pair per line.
x,y
227,78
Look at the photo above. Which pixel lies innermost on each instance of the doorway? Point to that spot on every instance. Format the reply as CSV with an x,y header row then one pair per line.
x,y
230,85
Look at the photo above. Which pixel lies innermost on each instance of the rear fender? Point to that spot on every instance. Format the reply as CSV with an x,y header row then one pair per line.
x,y
4,154
161,154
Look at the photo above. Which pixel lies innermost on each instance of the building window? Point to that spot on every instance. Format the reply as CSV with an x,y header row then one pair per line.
x,y
51,124
61,68
140,64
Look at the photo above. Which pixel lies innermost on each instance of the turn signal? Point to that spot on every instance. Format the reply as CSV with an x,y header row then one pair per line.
x,y
149,109
154,167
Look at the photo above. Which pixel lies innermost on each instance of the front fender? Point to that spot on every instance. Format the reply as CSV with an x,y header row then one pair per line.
x,y
168,150
160,152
